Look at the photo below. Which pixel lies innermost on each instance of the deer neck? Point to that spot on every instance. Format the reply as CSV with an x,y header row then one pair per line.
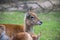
x,y
29,28
28,25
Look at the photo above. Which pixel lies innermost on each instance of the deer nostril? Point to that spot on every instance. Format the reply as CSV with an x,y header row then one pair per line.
x,y
41,22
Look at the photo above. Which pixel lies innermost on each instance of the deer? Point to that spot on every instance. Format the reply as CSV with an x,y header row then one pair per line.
x,y
30,20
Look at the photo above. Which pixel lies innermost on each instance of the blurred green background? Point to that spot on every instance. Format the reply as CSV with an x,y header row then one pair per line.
x,y
50,29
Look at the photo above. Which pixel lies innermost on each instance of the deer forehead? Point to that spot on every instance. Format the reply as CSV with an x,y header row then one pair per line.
x,y
33,14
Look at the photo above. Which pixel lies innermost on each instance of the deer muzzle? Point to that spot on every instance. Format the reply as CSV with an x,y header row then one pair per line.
x,y
39,22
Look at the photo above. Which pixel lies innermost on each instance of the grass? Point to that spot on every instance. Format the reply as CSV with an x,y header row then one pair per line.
x,y
50,29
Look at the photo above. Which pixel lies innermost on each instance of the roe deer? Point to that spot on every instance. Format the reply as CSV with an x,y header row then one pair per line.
x,y
29,23
30,20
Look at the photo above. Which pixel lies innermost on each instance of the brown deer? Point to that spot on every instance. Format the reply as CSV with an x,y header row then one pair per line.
x,y
30,20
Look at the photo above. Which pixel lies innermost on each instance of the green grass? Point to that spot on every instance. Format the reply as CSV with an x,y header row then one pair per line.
x,y
12,18
50,29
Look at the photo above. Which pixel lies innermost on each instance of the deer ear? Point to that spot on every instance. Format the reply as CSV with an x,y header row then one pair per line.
x,y
27,14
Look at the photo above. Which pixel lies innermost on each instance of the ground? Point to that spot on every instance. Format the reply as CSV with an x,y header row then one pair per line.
x,y
50,29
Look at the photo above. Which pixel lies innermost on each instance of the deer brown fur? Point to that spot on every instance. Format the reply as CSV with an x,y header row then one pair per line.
x,y
22,36
11,29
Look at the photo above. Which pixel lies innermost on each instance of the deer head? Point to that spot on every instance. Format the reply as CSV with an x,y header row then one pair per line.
x,y
32,19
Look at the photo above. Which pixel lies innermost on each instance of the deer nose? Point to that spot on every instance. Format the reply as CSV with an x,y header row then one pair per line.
x,y
39,22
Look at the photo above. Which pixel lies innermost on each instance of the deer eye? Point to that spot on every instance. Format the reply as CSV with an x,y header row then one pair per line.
x,y
32,17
